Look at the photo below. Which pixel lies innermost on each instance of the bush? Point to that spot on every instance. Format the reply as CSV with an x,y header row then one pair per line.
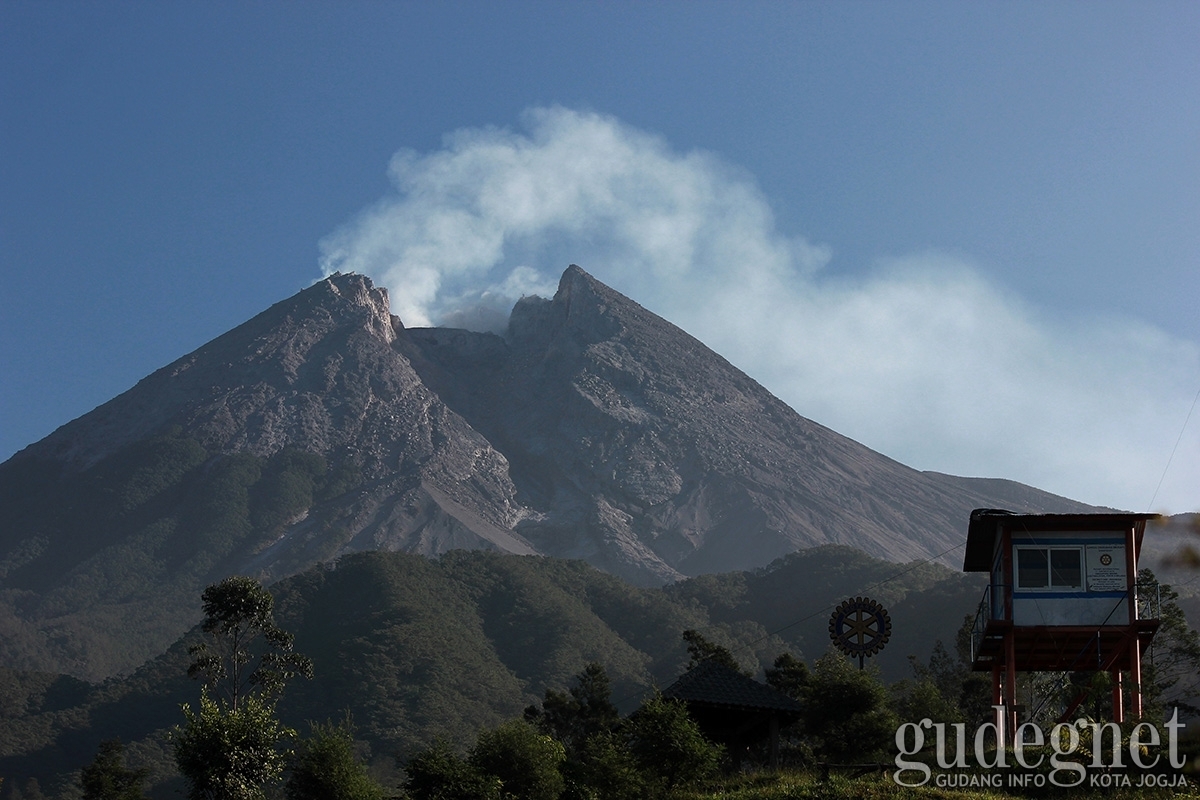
x,y
848,714
107,777
438,773
585,710
603,768
668,745
326,768
526,762
229,753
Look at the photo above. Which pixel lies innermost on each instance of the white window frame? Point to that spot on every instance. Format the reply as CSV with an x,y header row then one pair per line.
x,y
1050,585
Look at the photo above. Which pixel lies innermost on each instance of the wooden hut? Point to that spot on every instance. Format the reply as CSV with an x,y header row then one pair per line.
x,y
734,710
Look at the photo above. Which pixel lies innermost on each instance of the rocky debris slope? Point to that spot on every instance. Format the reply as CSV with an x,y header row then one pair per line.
x,y
644,451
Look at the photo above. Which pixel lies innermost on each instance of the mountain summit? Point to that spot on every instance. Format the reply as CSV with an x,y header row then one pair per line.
x,y
592,429
642,451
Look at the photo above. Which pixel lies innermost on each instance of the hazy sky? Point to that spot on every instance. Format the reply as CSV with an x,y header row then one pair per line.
x,y
964,234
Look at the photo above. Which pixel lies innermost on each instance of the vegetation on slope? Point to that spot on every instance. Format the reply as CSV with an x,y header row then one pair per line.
x,y
91,561
417,650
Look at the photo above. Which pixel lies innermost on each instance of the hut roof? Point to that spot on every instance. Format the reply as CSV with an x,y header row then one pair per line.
x,y
714,684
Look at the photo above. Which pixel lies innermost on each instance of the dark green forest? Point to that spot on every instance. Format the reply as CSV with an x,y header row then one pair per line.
x,y
416,648
417,651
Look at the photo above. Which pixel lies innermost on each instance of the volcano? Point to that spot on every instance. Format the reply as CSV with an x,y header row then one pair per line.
x,y
591,429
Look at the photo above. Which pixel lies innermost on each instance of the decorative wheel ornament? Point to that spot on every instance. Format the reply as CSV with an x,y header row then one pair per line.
x,y
860,627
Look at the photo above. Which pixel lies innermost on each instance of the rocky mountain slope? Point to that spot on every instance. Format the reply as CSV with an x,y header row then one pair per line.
x,y
644,451
593,429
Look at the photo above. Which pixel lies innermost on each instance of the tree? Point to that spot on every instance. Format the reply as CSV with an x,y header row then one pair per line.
x,y
598,761
32,791
792,677
582,711
604,768
789,675
847,711
668,745
107,777
439,773
920,698
701,649
934,689
1171,665
228,749
237,614
230,754
325,767
526,762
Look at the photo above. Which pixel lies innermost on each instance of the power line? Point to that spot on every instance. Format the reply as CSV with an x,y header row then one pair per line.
x,y
1171,457
912,566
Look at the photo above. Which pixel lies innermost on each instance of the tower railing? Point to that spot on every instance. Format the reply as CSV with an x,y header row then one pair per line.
x,y
991,608
1148,595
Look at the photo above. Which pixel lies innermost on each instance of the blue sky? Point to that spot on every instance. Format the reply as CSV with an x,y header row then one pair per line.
x,y
965,234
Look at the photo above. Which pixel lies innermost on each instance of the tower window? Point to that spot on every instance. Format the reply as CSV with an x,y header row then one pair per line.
x,y
1049,567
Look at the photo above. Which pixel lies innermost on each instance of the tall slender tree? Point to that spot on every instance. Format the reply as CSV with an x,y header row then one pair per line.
x,y
229,748
239,622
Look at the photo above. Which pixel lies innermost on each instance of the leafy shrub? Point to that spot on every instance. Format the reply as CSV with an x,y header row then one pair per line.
x,y
526,762
668,745
603,768
107,777
229,753
847,711
439,773
325,767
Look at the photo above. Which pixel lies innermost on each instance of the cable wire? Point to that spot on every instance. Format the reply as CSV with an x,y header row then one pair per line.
x,y
825,610
1171,457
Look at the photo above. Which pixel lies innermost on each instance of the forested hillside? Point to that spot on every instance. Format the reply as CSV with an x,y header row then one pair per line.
x,y
415,648
135,542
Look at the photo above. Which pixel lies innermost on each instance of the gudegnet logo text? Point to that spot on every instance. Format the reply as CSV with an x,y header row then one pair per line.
x,y
1082,753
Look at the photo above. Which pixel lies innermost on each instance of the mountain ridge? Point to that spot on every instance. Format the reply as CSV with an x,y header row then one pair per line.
x,y
592,429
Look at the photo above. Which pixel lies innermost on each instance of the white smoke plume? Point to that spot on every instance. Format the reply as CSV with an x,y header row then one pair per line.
x,y
925,359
